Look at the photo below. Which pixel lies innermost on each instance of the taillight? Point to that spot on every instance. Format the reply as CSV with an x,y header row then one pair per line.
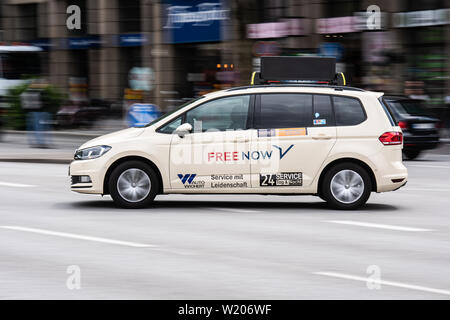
x,y
439,125
403,124
391,138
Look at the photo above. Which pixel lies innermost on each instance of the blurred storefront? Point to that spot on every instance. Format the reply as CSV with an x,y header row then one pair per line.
x,y
197,30
191,47
425,46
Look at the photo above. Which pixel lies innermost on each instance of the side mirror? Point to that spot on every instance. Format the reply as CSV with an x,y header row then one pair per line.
x,y
183,129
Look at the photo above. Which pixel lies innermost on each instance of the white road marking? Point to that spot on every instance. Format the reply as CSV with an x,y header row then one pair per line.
x,y
79,237
427,189
235,210
379,226
427,166
383,282
15,185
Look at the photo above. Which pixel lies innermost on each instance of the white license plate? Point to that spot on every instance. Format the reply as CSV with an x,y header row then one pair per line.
x,y
423,125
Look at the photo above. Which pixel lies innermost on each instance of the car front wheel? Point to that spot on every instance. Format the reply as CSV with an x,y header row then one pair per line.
x,y
346,186
133,184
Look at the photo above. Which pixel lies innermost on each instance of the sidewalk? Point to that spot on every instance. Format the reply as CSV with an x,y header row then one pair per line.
x,y
14,146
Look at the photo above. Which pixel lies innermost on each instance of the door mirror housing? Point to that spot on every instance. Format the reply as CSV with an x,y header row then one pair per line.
x,y
183,129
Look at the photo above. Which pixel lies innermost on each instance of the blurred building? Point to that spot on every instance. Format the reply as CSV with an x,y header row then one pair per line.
x,y
173,50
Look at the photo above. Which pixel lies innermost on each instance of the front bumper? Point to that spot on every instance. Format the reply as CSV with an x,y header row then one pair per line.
x,y
92,168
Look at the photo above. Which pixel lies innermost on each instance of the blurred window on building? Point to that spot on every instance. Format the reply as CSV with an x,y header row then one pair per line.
x,y
285,111
340,8
348,111
271,10
228,113
19,65
81,67
27,22
130,57
424,5
129,16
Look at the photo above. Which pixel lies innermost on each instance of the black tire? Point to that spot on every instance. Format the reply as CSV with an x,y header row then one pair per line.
x,y
366,187
411,154
139,166
320,195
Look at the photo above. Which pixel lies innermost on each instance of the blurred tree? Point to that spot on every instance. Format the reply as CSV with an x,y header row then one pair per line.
x,y
16,115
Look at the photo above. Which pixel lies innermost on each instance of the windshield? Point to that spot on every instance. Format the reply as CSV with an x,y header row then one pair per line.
x,y
173,111
409,107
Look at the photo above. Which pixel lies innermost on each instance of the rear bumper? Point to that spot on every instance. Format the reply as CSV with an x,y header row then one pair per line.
x,y
390,173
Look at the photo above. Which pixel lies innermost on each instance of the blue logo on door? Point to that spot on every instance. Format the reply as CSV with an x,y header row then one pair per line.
x,y
186,177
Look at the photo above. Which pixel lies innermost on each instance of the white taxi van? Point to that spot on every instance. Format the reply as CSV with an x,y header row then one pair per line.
x,y
280,135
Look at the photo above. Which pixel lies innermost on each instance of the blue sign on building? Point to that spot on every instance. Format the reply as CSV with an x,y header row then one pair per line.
x,y
89,42
131,40
187,21
332,49
141,114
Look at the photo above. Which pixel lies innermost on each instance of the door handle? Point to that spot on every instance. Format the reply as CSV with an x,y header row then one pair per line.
x,y
321,136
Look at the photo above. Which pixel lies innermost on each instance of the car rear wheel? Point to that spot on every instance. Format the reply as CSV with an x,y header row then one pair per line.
x,y
346,186
411,154
133,184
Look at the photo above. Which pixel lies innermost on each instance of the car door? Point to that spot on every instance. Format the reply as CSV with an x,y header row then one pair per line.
x,y
209,159
295,134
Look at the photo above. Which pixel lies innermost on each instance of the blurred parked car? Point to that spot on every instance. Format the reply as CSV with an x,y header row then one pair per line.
x,y
420,129
81,114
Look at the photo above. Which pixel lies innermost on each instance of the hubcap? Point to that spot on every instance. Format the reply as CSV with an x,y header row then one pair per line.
x,y
347,186
134,185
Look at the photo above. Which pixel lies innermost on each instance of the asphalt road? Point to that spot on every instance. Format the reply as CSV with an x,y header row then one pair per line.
x,y
223,247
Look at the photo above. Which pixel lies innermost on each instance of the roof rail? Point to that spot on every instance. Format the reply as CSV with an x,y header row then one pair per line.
x,y
297,85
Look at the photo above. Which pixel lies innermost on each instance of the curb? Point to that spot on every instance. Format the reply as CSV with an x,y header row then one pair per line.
x,y
61,134
36,160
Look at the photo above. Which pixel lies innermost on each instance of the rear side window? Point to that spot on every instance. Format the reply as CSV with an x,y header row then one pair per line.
x,y
388,112
348,111
283,110
323,111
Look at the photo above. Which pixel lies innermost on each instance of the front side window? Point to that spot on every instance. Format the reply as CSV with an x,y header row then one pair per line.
x,y
174,110
222,114
171,126
284,111
348,111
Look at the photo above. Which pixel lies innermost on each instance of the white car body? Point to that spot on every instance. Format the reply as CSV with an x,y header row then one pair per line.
x,y
237,161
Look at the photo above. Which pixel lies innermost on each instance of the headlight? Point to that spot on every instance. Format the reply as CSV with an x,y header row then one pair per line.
x,y
91,153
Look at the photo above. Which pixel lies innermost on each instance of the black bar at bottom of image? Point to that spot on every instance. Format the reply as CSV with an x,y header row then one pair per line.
x,y
224,309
